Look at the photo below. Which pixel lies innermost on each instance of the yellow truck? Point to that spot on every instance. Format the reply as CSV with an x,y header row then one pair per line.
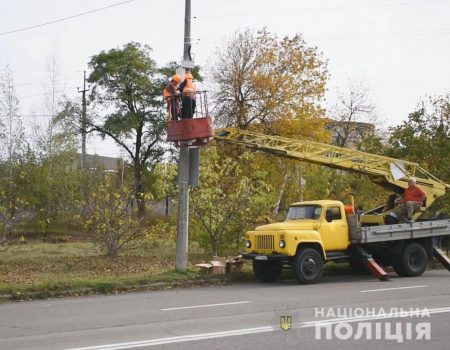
x,y
316,232
319,231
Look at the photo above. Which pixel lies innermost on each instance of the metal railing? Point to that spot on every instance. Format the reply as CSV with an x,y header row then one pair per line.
x,y
198,105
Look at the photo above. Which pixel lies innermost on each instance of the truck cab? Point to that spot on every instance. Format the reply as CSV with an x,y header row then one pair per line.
x,y
311,230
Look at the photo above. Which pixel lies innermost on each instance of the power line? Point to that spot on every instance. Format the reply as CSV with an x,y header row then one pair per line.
x,y
323,9
378,35
355,35
65,18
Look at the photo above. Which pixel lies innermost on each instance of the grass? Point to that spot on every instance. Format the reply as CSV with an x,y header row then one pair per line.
x,y
36,251
42,270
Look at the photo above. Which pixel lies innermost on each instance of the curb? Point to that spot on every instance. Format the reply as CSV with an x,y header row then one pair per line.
x,y
155,286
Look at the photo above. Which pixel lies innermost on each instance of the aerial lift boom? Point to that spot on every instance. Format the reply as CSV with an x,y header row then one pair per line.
x,y
390,173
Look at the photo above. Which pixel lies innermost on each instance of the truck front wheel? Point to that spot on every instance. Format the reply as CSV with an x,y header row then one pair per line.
x,y
412,262
266,271
308,266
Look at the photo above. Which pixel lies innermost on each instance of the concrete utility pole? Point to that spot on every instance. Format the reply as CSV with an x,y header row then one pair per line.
x,y
83,122
183,168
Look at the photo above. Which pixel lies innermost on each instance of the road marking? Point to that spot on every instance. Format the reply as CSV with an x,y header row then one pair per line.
x,y
207,305
385,289
266,329
180,339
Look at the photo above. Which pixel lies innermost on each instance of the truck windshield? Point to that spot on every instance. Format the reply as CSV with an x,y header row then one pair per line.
x,y
304,212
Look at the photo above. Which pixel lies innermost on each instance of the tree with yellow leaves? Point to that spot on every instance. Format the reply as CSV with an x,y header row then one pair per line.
x,y
261,79
109,217
274,86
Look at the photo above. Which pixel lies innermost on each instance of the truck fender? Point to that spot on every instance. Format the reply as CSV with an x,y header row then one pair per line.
x,y
312,244
426,243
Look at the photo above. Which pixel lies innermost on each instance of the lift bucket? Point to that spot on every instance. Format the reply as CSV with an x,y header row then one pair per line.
x,y
189,129
198,127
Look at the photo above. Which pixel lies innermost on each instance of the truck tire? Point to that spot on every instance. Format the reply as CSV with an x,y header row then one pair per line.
x,y
266,271
397,265
308,266
412,262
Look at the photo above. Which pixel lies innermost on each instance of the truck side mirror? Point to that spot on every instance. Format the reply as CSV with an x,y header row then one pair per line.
x,y
329,215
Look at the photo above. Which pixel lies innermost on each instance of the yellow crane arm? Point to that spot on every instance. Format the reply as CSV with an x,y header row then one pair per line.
x,y
380,169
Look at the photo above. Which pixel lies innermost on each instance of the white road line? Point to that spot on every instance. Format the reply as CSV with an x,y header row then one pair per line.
x,y
385,289
180,339
266,329
208,305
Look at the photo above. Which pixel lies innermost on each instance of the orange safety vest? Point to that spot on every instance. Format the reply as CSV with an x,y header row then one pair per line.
x,y
169,91
189,88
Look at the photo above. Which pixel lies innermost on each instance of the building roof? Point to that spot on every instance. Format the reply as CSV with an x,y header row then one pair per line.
x,y
95,161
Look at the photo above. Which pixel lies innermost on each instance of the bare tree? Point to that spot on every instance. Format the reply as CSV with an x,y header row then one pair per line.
x,y
353,116
13,145
233,72
10,120
54,146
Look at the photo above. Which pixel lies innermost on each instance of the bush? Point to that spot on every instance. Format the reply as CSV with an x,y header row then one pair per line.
x,y
110,218
161,234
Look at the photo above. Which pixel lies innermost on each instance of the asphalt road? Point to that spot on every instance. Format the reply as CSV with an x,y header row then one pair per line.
x,y
245,316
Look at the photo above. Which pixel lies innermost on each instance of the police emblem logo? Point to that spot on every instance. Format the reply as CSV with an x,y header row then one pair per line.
x,y
285,323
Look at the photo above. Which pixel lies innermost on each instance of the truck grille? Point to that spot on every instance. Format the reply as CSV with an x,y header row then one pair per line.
x,y
265,242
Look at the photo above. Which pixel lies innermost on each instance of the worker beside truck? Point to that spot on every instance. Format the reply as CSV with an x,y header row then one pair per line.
x,y
412,200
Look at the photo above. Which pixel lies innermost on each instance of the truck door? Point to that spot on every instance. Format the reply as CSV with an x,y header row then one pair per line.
x,y
335,233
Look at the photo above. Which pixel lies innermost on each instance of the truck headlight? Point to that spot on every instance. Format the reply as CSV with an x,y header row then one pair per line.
x,y
248,244
282,243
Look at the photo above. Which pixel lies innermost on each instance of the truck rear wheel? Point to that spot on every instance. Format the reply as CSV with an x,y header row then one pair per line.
x,y
266,271
412,262
397,265
308,266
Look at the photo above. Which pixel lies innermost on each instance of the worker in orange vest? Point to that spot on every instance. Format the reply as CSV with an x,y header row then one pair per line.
x,y
413,198
188,91
171,95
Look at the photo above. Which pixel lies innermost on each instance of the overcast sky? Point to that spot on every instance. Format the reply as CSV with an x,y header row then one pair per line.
x,y
399,48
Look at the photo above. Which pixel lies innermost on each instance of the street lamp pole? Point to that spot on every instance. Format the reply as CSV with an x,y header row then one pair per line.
x,y
183,168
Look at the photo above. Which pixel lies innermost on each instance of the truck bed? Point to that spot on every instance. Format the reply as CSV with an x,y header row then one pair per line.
x,y
383,233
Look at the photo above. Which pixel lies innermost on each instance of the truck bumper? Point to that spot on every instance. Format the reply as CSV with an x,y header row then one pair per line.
x,y
263,257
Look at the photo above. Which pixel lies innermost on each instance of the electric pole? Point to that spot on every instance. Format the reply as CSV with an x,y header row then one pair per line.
x,y
83,122
183,167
